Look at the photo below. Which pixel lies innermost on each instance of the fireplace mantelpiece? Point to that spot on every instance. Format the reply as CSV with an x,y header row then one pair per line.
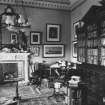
x,y
16,58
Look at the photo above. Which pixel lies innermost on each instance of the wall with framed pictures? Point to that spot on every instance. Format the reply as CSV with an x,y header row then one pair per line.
x,y
57,22
46,21
53,34
52,50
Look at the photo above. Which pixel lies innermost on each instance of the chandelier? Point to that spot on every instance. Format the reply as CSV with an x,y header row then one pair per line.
x,y
13,21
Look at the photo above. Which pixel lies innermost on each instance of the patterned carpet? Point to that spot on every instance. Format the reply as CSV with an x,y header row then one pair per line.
x,y
42,101
30,95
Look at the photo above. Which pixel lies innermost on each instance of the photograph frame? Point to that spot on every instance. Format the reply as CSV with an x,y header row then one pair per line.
x,y
74,49
13,38
53,32
35,37
53,51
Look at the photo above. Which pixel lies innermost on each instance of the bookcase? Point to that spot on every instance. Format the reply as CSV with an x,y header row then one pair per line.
x,y
91,53
88,43
91,37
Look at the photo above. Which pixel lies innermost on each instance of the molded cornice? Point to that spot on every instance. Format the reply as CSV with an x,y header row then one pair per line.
x,y
51,4
77,4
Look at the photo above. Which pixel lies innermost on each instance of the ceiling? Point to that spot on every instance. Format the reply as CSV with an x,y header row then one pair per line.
x,y
53,4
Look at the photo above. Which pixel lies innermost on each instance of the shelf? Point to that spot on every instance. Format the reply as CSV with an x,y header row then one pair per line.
x,y
92,47
92,51
92,38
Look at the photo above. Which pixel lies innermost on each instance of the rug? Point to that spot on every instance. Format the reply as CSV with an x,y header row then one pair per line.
x,y
42,101
30,95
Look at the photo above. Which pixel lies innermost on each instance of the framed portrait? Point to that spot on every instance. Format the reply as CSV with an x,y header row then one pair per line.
x,y
53,51
53,32
13,38
74,49
76,25
35,37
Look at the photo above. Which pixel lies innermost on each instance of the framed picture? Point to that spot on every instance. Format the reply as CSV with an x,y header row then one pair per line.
x,y
76,25
35,37
74,44
13,38
53,32
74,49
53,51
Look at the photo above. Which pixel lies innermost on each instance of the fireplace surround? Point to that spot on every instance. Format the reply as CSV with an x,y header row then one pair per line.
x,y
20,59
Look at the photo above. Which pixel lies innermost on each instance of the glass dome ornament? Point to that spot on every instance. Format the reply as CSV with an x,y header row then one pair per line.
x,y
13,21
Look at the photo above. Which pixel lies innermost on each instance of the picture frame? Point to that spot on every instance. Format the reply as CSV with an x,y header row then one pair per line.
x,y
53,32
74,49
54,51
13,38
35,37
76,25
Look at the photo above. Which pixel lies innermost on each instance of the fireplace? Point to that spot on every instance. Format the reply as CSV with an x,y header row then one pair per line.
x,y
14,64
